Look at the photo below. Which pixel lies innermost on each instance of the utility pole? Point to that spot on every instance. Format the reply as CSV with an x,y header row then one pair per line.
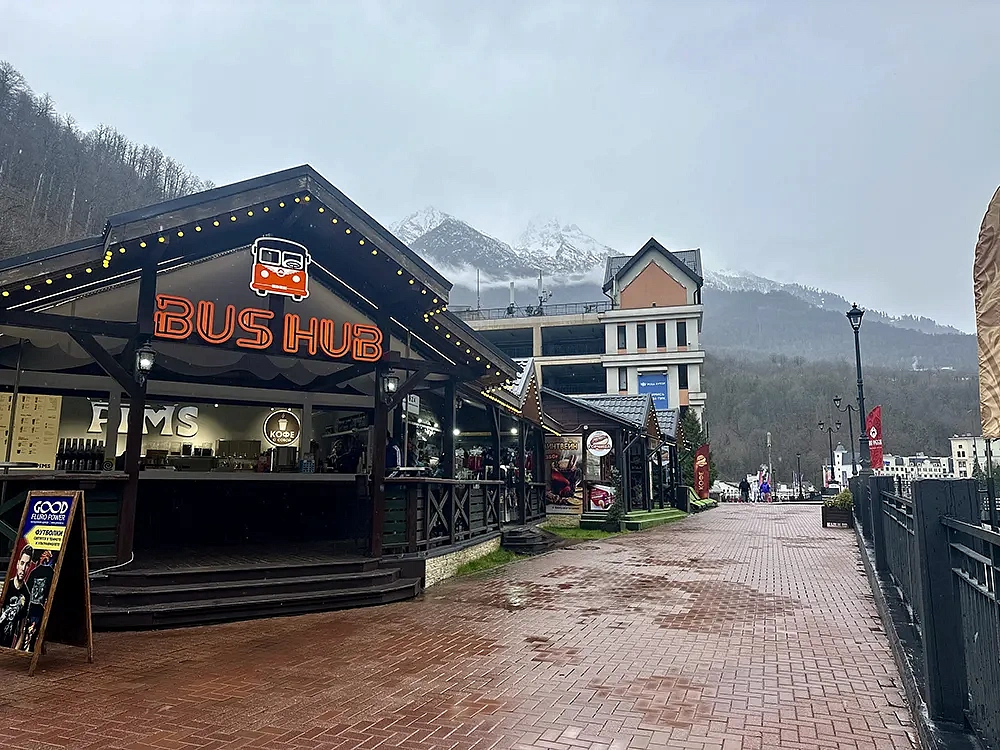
x,y
770,471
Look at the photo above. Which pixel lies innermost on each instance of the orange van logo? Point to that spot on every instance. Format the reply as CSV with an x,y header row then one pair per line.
x,y
280,267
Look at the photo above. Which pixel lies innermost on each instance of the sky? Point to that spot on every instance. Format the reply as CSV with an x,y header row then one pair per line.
x,y
847,145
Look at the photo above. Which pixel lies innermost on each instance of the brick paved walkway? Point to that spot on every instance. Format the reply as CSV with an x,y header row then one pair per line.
x,y
745,628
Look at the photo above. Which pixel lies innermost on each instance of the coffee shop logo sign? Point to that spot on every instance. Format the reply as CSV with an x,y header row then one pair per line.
x,y
282,428
173,420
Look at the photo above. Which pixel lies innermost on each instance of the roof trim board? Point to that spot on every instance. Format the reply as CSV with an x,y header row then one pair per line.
x,y
652,245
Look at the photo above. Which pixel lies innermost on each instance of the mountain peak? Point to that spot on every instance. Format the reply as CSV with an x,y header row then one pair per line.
x,y
416,225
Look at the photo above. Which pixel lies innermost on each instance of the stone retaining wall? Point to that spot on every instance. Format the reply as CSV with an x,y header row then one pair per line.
x,y
443,567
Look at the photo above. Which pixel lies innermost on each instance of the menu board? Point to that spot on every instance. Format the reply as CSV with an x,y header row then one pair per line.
x,y
36,429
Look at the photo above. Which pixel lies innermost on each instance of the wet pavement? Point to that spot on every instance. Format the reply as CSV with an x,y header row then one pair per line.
x,y
744,628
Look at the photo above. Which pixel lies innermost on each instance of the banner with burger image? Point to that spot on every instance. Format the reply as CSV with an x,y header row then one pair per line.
x,y
564,466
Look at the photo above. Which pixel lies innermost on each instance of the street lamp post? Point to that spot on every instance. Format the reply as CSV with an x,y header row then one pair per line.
x,y
854,315
798,468
850,425
823,427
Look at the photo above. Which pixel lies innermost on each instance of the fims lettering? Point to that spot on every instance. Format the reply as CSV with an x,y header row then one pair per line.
x,y
178,318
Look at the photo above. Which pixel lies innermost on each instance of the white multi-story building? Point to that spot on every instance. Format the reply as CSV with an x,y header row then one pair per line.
x,y
966,451
909,468
645,338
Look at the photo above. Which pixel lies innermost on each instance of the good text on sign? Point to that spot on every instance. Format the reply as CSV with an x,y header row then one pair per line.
x,y
179,319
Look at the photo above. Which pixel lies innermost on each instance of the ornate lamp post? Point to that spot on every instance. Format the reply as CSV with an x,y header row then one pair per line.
x,y
850,425
823,427
854,315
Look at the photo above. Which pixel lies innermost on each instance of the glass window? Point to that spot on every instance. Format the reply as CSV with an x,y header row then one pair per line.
x,y
661,335
271,257
622,341
682,377
640,335
293,261
622,379
682,333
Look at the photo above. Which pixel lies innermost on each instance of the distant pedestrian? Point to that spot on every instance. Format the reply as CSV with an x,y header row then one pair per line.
x,y
765,491
744,491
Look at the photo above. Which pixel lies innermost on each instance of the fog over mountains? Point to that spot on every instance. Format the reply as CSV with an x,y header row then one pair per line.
x,y
745,314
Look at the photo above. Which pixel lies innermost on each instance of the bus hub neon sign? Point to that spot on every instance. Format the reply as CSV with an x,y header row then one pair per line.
x,y
179,319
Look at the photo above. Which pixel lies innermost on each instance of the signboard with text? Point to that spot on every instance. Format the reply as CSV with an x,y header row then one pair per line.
x,y
51,547
655,384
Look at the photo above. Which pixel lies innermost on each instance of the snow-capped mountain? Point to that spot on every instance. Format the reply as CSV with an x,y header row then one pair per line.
x,y
572,264
556,246
418,224
743,281
545,245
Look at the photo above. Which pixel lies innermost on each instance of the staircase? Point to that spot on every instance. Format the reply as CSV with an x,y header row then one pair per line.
x,y
529,540
637,520
164,597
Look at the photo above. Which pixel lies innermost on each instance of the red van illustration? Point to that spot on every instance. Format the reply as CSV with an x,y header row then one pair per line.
x,y
280,267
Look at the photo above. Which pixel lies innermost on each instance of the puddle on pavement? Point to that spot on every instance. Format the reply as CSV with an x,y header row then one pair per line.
x,y
663,700
720,606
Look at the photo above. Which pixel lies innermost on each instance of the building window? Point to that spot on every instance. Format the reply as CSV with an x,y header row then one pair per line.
x,y
622,341
661,335
682,377
682,333
622,379
640,336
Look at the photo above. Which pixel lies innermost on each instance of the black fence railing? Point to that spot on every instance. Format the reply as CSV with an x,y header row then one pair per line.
x,y
422,514
974,552
900,546
530,311
943,560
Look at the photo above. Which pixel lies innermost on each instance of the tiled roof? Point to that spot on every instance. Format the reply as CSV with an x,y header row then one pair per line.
x,y
615,263
691,259
668,419
633,408
688,261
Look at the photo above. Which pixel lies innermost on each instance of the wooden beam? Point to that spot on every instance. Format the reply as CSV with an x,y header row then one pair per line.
x,y
108,363
406,387
380,430
67,324
327,382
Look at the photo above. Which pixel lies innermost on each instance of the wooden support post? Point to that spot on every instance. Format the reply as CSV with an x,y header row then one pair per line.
x,y
137,411
112,425
661,481
306,428
941,625
448,424
495,466
522,474
380,436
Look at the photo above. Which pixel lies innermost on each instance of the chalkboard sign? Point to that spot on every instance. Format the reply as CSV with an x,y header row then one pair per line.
x,y
50,552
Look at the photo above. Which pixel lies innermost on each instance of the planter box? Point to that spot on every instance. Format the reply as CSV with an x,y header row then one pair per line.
x,y
838,515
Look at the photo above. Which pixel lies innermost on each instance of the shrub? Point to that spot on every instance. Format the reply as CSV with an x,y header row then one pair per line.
x,y
616,512
844,500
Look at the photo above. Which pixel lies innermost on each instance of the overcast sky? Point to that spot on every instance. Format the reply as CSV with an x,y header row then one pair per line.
x,y
852,146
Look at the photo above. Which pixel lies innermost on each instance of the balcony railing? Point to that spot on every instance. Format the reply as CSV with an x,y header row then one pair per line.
x,y
532,311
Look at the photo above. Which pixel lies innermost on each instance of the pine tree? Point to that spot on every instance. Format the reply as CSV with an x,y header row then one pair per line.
x,y
690,437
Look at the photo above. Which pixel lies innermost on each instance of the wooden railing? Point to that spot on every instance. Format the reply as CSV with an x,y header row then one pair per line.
x,y
534,504
422,514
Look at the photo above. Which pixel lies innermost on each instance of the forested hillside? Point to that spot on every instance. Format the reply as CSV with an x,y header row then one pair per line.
x,y
58,183
753,325
748,398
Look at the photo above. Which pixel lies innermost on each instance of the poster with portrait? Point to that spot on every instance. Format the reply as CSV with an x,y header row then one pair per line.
x,y
564,473
50,545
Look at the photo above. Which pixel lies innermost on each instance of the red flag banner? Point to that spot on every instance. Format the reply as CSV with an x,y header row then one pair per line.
x,y
701,473
874,427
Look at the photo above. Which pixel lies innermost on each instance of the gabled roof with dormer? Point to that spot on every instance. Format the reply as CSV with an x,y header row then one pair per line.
x,y
687,262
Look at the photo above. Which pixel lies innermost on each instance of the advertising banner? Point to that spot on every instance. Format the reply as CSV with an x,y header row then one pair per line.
x,y
986,286
701,472
874,426
656,386
601,497
51,533
564,467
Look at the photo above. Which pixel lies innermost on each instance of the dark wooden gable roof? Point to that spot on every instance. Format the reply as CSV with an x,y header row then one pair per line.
x,y
352,249
617,266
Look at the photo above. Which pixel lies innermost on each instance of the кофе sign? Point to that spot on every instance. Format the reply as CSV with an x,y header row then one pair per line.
x,y
282,428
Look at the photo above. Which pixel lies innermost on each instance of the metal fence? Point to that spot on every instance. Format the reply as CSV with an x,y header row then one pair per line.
x,y
943,560
974,551
529,311
900,546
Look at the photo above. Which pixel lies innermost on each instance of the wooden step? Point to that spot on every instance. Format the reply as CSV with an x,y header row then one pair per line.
x,y
211,611
114,593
